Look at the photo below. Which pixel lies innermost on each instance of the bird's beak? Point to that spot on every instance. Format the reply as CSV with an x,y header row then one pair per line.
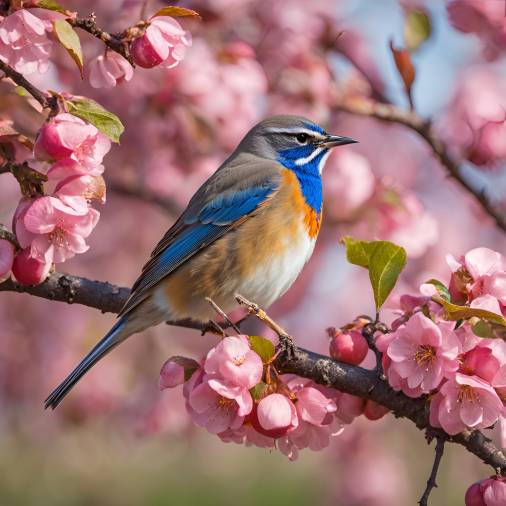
x,y
336,140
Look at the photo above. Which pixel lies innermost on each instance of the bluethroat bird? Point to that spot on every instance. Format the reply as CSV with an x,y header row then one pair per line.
x,y
249,229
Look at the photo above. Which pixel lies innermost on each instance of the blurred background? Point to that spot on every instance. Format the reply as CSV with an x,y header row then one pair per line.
x,y
119,440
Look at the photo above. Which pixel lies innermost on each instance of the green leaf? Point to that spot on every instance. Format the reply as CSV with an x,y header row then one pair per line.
x,y
441,289
21,91
417,28
51,5
357,252
258,391
384,260
482,328
263,347
91,111
70,41
455,312
177,12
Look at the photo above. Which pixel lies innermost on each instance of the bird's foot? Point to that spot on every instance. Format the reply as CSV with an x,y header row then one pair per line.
x,y
214,328
286,346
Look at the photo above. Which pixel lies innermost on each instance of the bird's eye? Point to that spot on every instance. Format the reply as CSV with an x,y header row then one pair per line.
x,y
302,138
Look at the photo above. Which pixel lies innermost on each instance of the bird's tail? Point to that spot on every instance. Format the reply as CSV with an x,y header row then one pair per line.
x,y
115,336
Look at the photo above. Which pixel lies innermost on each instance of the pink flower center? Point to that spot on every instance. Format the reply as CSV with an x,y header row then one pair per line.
x,y
239,360
58,236
424,355
467,393
227,404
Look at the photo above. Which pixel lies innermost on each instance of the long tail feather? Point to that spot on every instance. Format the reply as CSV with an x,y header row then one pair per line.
x,y
114,337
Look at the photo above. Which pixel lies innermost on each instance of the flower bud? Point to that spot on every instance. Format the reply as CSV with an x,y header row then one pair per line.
x,y
349,347
7,251
274,416
374,411
28,270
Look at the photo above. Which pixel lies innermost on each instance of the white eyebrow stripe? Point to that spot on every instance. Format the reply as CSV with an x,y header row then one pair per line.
x,y
296,130
307,159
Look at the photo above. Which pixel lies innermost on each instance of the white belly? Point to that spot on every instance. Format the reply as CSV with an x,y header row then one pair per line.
x,y
273,278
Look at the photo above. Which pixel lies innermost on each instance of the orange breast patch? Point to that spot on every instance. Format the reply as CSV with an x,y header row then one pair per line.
x,y
312,218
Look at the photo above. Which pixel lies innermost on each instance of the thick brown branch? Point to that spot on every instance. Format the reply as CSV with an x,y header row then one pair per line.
x,y
321,369
393,114
46,101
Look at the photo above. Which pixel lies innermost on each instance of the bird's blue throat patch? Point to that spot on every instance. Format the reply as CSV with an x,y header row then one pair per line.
x,y
308,174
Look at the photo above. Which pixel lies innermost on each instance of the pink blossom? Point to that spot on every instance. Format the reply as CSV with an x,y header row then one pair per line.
x,y
177,370
24,42
465,401
218,409
77,191
171,375
489,492
29,270
276,414
483,18
422,353
7,251
67,167
349,407
480,361
53,230
164,41
479,277
474,122
234,362
108,70
67,136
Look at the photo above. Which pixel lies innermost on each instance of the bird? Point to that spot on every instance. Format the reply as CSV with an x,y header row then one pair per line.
x,y
249,229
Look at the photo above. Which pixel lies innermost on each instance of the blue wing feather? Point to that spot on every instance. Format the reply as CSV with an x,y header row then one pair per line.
x,y
196,232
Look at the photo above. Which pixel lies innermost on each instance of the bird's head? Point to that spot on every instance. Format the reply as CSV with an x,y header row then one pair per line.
x,y
294,141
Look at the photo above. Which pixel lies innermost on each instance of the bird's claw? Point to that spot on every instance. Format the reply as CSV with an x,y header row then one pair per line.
x,y
286,346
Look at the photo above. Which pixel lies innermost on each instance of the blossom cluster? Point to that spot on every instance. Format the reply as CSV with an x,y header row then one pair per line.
x,y
27,35
239,396
489,492
459,364
52,228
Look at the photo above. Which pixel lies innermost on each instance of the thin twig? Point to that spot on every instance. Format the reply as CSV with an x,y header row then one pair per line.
x,y
255,310
431,482
45,100
393,114
223,314
113,41
8,236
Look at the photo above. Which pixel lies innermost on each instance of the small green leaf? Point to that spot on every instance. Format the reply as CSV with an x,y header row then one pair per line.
x,y
258,391
441,289
70,41
417,28
177,12
357,252
483,328
455,312
51,5
91,111
263,347
21,91
386,262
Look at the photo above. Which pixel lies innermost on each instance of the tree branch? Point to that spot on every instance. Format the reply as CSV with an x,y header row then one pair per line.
x,y
8,236
45,100
394,114
431,482
321,369
116,41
